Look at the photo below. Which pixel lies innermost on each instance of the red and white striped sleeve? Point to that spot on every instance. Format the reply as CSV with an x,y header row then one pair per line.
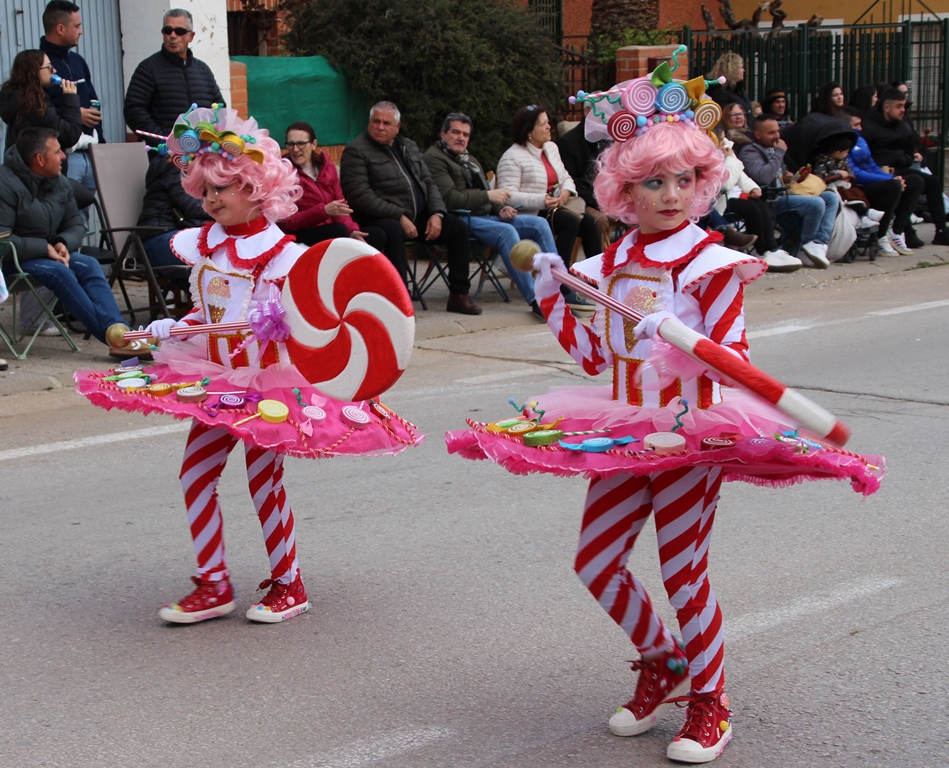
x,y
721,299
581,343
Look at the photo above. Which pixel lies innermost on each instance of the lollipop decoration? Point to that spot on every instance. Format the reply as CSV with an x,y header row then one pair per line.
x,y
622,126
640,98
672,99
707,115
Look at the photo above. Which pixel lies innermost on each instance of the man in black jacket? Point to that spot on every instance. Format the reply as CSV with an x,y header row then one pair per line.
x,y
39,214
388,185
579,158
167,83
893,141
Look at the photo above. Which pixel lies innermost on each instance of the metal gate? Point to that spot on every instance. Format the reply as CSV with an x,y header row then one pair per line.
x,y
800,59
21,26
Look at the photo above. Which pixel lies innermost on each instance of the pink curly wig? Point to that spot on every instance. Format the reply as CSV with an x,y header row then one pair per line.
x,y
273,183
664,147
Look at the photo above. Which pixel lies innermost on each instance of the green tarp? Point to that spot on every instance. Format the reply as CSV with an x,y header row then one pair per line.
x,y
282,90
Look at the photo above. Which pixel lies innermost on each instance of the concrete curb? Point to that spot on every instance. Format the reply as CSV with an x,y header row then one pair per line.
x,y
51,365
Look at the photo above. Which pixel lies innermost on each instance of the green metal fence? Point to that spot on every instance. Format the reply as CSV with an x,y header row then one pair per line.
x,y
800,59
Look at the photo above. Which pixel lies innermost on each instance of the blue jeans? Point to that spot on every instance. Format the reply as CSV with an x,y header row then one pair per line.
x,y
158,250
817,214
504,235
81,288
79,168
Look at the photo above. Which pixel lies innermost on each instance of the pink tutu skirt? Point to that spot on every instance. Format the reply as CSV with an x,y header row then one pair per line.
x,y
758,452
317,426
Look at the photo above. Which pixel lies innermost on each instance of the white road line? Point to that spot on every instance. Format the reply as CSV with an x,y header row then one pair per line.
x,y
779,331
85,442
488,378
911,308
368,751
750,624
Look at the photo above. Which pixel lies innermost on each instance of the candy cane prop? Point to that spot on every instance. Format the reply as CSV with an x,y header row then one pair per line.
x,y
352,326
789,401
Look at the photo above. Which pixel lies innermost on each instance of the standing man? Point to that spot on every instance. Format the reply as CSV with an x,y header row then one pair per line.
x,y
167,83
463,185
388,185
63,28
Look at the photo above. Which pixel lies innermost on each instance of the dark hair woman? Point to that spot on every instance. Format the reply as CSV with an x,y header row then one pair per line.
x,y
322,212
532,171
864,98
829,99
24,103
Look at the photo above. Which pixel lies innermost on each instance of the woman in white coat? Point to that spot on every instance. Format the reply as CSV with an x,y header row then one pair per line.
x,y
531,170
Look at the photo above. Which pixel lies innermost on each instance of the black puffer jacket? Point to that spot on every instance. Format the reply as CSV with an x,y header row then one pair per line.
x,y
68,122
376,186
891,142
37,211
809,135
166,204
163,86
579,157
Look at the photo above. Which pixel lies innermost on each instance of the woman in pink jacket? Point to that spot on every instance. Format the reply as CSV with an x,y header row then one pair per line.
x,y
322,211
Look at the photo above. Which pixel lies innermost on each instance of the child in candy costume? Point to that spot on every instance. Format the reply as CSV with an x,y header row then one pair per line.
x,y
243,385
659,174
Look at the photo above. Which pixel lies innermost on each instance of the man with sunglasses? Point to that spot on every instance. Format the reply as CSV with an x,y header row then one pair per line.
x,y
165,84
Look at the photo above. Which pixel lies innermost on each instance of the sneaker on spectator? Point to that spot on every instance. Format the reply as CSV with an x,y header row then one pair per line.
x,y
706,731
884,248
282,602
912,239
941,237
49,329
874,215
899,243
660,678
867,224
3,364
817,253
781,261
210,600
914,219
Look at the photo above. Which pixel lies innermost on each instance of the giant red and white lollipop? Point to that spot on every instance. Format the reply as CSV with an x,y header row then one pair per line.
x,y
352,326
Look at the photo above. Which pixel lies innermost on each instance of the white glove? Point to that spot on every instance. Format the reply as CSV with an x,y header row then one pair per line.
x,y
161,329
648,327
545,284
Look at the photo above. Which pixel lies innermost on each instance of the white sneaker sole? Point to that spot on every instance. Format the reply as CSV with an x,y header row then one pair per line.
x,y
688,751
175,616
264,615
624,723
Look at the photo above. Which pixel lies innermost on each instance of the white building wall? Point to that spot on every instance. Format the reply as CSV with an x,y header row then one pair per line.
x,y
141,35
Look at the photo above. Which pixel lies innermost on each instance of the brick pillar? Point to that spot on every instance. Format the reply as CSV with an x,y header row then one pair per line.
x,y
239,88
633,61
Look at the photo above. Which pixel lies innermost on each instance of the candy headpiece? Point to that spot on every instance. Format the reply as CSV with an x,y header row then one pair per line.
x,y
218,129
630,108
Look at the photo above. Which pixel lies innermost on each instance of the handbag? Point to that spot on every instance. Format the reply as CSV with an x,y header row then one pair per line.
x,y
811,185
576,205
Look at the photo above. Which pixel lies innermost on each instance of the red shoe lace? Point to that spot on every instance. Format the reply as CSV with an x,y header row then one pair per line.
x,y
649,693
704,717
277,592
202,596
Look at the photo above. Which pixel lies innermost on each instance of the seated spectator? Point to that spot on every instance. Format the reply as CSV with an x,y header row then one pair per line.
x,y
24,103
864,98
579,158
388,185
322,211
734,126
167,205
896,196
532,171
829,99
463,185
894,146
776,103
732,67
39,213
742,197
764,163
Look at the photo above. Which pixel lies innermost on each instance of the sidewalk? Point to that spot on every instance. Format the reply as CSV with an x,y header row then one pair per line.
x,y
51,364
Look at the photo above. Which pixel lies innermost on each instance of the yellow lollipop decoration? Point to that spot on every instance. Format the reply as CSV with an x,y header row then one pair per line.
x,y
272,411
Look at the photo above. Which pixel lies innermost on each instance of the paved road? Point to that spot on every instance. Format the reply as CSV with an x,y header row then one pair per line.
x,y
448,628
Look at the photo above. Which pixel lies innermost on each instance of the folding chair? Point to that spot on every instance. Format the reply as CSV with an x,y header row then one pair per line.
x,y
485,260
19,281
434,270
120,183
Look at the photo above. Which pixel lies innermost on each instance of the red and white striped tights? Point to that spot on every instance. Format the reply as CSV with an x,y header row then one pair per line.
x,y
684,503
205,456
